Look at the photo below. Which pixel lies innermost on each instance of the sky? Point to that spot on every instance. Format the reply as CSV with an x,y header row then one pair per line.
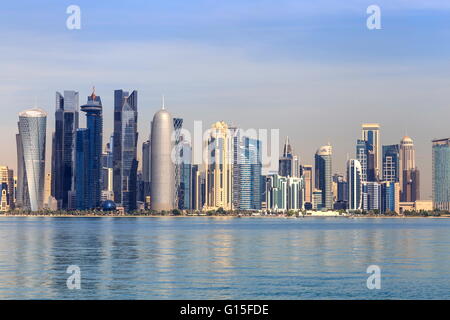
x,y
311,69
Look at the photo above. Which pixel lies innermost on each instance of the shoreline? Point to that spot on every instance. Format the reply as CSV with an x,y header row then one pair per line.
x,y
215,216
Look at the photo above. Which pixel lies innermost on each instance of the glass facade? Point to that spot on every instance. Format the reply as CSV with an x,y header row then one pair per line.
x,y
391,163
125,149
323,175
31,154
441,174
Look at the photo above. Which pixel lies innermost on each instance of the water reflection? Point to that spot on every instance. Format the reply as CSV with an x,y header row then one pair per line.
x,y
223,258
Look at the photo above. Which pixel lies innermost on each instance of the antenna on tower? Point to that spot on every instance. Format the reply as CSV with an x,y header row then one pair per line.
x,y
163,103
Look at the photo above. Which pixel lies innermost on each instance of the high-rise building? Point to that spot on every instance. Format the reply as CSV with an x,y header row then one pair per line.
x,y
177,127
276,194
125,149
31,159
323,175
162,164
441,174
390,197
88,179
371,134
219,168
307,175
391,163
63,146
6,188
288,165
107,168
247,167
341,187
146,169
294,193
354,183
185,175
317,203
371,196
410,175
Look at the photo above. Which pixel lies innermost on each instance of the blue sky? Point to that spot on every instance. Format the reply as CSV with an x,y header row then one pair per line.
x,y
310,68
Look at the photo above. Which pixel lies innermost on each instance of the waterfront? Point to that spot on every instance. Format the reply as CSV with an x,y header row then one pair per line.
x,y
224,258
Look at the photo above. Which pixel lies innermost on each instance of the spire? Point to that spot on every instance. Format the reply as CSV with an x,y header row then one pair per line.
x,y
163,103
93,96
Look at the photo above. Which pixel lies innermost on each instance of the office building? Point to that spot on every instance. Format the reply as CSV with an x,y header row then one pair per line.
x,y
323,175
441,174
410,174
63,147
125,162
371,134
6,188
391,163
162,165
219,192
354,183
31,159
89,141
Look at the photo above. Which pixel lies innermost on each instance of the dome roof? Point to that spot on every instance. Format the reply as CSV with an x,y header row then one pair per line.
x,y
109,205
407,139
32,113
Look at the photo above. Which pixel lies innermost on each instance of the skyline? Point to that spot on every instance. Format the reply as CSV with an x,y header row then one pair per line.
x,y
288,62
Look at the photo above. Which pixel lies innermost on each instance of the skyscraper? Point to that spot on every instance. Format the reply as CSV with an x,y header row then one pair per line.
x,y
162,165
248,167
441,174
185,175
31,158
307,176
410,175
125,162
371,194
323,175
146,169
371,134
63,146
6,188
88,156
288,165
219,169
177,126
354,183
276,193
391,163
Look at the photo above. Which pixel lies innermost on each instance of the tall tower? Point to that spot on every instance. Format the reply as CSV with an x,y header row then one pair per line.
x,y
288,163
219,181
441,176
89,154
354,182
371,134
31,158
63,146
410,175
391,163
308,182
6,188
162,165
323,175
125,162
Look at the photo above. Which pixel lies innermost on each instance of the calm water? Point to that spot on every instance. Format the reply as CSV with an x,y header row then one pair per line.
x,y
224,258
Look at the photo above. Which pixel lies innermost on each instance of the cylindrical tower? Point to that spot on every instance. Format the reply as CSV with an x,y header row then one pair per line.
x,y
32,133
162,166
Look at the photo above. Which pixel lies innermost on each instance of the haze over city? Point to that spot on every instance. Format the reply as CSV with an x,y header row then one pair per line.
x,y
313,70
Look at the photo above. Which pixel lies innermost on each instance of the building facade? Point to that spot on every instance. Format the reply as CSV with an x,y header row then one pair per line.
x,y
441,174
63,147
125,162
354,183
323,175
410,174
31,142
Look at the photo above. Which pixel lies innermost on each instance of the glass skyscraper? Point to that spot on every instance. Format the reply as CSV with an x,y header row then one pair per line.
x,y
248,169
88,156
323,175
391,163
63,146
31,158
354,183
441,174
125,149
